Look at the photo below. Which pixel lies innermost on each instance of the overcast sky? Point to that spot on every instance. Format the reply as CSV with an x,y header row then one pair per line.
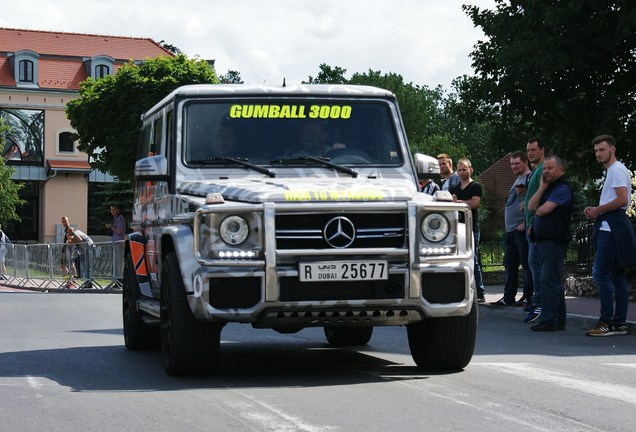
x,y
425,41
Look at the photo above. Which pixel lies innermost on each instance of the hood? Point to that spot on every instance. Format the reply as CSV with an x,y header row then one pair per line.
x,y
304,189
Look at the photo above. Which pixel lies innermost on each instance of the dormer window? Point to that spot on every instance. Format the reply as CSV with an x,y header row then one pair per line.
x,y
25,68
100,66
101,71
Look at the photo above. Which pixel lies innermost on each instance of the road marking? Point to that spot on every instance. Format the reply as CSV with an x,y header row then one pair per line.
x,y
627,365
594,387
273,419
34,382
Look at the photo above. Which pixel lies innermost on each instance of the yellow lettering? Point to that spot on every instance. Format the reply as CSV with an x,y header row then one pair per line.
x,y
285,112
261,111
235,111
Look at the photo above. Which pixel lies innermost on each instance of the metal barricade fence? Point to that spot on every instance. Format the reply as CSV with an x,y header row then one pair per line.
x,y
57,265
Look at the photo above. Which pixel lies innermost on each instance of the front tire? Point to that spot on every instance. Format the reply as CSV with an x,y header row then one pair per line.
x,y
348,336
444,343
137,334
188,346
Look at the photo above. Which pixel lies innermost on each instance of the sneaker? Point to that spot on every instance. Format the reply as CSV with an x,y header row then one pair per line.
x,y
481,298
528,308
601,329
620,329
500,302
543,327
521,302
533,315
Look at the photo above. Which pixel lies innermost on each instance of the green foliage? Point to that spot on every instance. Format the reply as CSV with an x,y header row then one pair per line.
x,y
8,188
107,114
328,75
561,69
231,77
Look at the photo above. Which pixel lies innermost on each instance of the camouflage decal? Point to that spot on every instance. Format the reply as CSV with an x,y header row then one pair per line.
x,y
303,190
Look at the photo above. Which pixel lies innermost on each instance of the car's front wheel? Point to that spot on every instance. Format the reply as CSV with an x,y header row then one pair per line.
x,y
188,346
444,343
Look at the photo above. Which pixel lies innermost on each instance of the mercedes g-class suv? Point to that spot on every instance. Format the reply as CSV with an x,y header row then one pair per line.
x,y
286,208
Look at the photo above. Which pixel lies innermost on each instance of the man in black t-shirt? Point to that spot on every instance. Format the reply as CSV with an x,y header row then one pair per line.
x,y
470,192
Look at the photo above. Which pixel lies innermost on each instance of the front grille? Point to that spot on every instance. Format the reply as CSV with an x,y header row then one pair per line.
x,y
372,230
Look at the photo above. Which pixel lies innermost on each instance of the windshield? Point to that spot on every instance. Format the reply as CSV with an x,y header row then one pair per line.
x,y
278,134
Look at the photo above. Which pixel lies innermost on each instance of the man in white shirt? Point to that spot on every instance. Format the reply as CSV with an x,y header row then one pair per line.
x,y
615,241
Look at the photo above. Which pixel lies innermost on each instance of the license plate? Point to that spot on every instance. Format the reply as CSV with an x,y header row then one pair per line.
x,y
326,271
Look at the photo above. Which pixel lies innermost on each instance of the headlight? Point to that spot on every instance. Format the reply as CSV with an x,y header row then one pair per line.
x,y
234,230
435,227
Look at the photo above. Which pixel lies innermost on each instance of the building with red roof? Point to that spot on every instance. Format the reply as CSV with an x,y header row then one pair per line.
x,y
40,71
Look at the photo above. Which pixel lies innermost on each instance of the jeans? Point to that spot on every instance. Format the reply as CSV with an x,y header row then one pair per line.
x,y
535,270
610,281
479,283
552,258
515,254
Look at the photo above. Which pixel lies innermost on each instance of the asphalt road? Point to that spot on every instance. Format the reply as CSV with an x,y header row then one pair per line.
x,y
63,367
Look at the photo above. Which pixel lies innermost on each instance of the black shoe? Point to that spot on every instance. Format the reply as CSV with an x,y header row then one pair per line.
x,y
481,298
500,302
521,302
543,327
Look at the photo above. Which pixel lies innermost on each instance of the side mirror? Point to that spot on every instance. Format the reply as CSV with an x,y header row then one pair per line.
x,y
426,166
152,168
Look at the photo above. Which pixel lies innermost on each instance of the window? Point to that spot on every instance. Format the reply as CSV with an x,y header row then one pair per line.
x,y
25,68
26,71
101,71
99,66
25,135
66,143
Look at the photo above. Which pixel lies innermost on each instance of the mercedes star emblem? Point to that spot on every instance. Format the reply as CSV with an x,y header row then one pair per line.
x,y
339,232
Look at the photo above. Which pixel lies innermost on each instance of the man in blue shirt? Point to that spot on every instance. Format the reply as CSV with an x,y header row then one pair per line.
x,y
552,205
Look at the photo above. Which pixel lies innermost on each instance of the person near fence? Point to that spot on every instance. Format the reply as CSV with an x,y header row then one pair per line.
x,y
118,227
614,239
469,192
553,205
448,177
79,244
535,149
515,242
4,249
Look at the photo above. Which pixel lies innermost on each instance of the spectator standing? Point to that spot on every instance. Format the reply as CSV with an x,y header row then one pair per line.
x,y
515,241
615,242
118,227
82,243
449,178
535,150
553,205
4,249
470,192
428,187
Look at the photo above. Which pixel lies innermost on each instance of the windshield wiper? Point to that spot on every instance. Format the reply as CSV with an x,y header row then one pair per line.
x,y
321,161
224,160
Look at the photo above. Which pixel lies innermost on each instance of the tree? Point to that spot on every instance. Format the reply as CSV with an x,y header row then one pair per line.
x,y
107,114
328,75
231,77
9,189
562,69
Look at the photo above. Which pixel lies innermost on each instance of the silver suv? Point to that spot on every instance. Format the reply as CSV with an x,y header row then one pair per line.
x,y
286,208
